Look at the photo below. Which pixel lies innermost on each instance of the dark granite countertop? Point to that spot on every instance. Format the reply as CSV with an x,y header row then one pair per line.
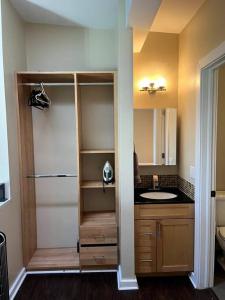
x,y
181,197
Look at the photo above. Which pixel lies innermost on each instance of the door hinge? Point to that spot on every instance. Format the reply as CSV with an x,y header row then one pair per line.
x,y
78,246
213,194
163,155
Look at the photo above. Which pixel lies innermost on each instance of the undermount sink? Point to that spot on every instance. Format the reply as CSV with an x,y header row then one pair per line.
x,y
158,195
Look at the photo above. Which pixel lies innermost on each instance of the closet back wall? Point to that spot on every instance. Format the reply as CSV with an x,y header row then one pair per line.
x,y
63,48
66,48
55,153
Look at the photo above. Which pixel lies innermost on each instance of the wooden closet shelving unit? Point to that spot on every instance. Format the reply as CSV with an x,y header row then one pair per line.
x,y
96,128
95,112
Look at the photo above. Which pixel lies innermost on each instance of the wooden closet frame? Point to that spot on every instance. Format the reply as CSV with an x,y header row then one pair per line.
x,y
26,151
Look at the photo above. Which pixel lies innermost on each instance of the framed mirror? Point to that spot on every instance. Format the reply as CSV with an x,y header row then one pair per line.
x,y
155,136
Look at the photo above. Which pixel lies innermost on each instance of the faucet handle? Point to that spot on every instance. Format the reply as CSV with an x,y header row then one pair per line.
x,y
155,177
155,181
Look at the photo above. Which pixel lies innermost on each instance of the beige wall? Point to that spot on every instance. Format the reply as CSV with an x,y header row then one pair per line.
x,y
143,135
13,35
158,57
220,157
204,33
67,48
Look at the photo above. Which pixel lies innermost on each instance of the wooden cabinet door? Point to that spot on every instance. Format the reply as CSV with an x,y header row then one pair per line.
x,y
175,245
145,246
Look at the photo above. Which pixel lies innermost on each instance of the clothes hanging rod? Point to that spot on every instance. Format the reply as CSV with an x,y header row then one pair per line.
x,y
48,83
50,175
95,83
67,83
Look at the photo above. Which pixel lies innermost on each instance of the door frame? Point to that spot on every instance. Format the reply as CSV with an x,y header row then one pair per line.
x,y
205,164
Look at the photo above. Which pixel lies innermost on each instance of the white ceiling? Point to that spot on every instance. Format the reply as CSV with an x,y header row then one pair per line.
x,y
170,16
174,15
140,17
98,14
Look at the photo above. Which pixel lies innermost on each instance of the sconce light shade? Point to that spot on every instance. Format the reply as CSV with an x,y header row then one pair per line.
x,y
152,87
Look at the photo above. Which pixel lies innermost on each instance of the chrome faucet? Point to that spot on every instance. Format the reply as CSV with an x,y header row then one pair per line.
x,y
155,180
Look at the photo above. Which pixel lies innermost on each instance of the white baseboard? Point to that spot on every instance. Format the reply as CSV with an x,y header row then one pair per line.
x,y
99,271
53,272
17,284
193,279
71,271
126,283
123,283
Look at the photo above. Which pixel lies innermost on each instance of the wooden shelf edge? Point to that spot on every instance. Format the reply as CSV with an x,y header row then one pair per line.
x,y
92,184
97,151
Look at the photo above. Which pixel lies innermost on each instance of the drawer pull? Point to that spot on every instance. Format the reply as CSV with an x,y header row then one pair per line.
x,y
147,233
146,260
99,236
98,257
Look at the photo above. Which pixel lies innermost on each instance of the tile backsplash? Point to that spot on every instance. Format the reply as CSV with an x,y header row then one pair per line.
x,y
169,181
186,187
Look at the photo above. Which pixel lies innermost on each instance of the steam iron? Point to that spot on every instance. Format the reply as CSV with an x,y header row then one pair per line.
x,y
107,174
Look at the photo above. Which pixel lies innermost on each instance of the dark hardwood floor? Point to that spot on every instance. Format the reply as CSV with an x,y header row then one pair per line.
x,y
103,286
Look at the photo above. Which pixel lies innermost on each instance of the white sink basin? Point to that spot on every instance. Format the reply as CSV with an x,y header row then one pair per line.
x,y
158,195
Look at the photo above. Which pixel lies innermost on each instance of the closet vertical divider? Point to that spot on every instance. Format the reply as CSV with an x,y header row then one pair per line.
x,y
27,190
78,145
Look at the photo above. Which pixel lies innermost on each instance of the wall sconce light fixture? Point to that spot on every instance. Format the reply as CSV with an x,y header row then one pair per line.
x,y
152,87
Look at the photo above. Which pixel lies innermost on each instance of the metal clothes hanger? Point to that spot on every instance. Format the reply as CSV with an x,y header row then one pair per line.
x,y
43,97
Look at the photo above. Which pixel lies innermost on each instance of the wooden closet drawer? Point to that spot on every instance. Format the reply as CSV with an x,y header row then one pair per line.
x,y
98,256
145,233
145,226
148,252
145,240
152,211
98,235
145,262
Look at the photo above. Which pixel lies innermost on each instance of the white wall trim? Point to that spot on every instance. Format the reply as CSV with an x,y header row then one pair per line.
x,y
99,271
212,56
75,271
126,283
53,272
17,284
192,279
203,276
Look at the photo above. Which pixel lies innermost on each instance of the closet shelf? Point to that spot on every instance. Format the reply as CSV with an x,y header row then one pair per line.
x,y
54,259
47,84
98,151
98,218
50,175
92,184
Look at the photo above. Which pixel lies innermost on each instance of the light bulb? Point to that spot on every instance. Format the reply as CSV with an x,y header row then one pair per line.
x,y
160,82
144,84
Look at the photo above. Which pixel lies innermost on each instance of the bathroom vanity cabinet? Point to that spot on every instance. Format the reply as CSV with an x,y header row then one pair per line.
x,y
164,238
